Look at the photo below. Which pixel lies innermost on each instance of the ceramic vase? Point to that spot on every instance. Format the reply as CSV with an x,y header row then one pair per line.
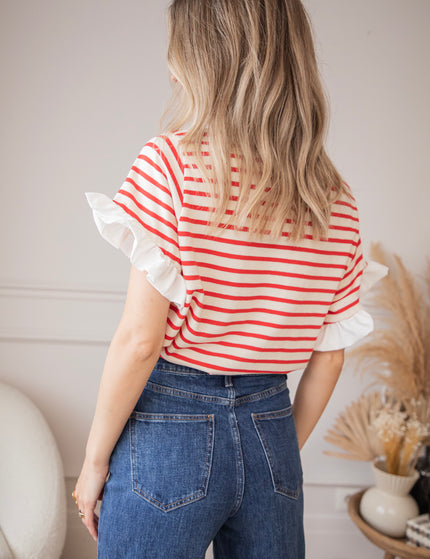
x,y
388,506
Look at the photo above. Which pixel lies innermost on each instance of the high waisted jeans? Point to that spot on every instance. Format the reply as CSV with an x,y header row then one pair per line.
x,y
205,458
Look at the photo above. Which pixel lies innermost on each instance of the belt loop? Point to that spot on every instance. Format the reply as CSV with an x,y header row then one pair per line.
x,y
228,381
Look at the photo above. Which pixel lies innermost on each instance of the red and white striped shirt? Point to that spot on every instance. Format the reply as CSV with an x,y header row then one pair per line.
x,y
238,306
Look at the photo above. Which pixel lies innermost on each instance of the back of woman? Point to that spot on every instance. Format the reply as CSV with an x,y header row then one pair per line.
x,y
247,265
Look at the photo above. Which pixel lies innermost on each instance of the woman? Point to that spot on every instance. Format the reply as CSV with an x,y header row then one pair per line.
x,y
246,265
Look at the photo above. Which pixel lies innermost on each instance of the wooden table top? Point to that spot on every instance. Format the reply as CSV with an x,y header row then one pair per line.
x,y
395,547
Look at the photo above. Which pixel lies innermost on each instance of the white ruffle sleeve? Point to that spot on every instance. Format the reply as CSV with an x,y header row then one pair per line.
x,y
346,332
127,234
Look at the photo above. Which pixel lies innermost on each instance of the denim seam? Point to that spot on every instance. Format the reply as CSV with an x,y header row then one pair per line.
x,y
278,413
256,419
218,399
210,418
262,394
239,462
184,393
140,416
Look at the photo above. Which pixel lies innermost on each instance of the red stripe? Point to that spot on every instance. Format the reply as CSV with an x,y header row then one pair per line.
x,y
259,272
148,211
254,285
347,307
204,194
351,292
223,254
342,203
254,322
152,163
151,229
237,242
169,168
148,178
196,193
359,259
204,306
239,333
205,222
252,348
149,196
208,166
350,283
344,216
268,285
264,297
206,154
241,359
341,240
187,178
170,255
342,228
203,365
174,152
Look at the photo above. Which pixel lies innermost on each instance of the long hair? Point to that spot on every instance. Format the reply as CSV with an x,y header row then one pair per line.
x,y
248,83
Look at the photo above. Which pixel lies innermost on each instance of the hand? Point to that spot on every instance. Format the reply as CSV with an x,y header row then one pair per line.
x,y
88,490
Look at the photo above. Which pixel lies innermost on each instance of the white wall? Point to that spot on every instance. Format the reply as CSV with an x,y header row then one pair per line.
x,y
84,84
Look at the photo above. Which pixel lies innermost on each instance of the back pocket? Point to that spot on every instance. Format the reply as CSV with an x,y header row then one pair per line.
x,y
171,457
277,433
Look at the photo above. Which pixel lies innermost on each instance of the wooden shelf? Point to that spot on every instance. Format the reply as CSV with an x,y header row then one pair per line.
x,y
393,547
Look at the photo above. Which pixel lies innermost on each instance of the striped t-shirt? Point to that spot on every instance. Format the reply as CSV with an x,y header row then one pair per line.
x,y
238,306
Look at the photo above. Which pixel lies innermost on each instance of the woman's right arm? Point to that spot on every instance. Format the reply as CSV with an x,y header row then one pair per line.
x,y
314,390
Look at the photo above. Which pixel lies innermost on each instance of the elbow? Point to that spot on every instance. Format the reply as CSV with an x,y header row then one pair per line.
x,y
140,348
332,360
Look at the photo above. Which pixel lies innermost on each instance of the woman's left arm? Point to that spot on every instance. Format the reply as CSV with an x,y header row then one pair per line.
x,y
132,354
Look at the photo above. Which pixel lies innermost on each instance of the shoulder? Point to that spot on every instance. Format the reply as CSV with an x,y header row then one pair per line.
x,y
344,217
346,202
165,147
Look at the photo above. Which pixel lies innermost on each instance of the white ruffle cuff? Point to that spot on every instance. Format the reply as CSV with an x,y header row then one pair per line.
x,y
346,332
127,234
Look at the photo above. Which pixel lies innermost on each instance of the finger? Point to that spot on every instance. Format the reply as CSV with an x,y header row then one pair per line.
x,y
90,522
94,531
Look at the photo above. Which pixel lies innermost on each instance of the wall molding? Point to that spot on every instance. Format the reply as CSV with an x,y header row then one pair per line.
x,y
8,289
59,314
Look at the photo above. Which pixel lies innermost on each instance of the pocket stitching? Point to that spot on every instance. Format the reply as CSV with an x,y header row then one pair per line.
x,y
285,412
200,493
256,419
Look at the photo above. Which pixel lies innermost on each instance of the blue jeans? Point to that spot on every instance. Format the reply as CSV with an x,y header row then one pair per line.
x,y
205,458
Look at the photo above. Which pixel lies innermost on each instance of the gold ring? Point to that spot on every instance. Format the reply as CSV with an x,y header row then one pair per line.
x,y
81,514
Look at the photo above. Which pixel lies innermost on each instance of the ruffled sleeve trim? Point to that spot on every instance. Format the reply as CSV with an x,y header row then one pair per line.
x,y
345,333
128,235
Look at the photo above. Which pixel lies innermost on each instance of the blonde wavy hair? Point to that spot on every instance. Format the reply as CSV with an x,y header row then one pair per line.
x,y
247,79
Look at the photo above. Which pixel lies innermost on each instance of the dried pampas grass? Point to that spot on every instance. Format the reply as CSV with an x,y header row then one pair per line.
x,y
353,430
378,425
395,423
398,354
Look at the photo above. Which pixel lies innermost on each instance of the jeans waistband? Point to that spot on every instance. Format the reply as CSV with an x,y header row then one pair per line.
x,y
168,367
182,380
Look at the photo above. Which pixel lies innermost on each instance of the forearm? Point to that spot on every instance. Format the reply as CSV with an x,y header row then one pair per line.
x,y
126,371
314,390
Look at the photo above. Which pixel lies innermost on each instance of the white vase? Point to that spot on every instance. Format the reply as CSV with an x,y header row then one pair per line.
x,y
388,506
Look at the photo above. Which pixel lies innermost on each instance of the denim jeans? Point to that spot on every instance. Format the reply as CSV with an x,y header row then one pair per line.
x,y
205,458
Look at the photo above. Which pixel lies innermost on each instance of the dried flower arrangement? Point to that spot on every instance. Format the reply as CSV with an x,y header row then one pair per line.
x,y
401,438
396,422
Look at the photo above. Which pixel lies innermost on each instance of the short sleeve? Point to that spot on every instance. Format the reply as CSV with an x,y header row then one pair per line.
x,y
346,301
347,321
141,219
